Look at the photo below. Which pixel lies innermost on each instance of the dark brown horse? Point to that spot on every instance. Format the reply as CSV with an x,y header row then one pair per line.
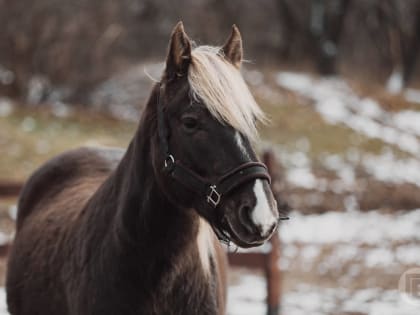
x,y
103,232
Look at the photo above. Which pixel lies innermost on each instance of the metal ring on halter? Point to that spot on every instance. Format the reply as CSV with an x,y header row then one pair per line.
x,y
169,161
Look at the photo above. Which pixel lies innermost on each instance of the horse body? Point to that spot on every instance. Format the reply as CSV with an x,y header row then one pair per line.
x,y
117,272
103,232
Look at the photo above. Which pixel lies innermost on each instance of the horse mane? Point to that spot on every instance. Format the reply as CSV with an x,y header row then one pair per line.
x,y
221,87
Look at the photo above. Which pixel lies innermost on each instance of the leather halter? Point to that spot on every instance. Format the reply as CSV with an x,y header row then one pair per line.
x,y
211,192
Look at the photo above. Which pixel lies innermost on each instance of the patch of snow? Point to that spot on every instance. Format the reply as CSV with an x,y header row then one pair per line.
x,y
6,107
28,124
343,253
395,82
3,305
408,120
294,81
308,254
303,145
351,203
408,254
344,170
387,168
379,257
59,109
38,87
412,95
370,108
333,111
351,227
4,238
299,159
301,177
6,76
248,297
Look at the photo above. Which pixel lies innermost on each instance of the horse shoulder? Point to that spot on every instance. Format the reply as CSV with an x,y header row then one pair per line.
x,y
83,166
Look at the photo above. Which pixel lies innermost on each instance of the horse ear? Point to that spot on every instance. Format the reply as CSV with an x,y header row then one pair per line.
x,y
232,49
179,52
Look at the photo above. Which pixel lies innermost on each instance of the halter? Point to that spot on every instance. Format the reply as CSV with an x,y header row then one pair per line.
x,y
210,192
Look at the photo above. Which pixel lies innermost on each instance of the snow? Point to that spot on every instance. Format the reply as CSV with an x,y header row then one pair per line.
x,y
4,238
301,177
337,103
345,245
351,227
387,168
395,82
6,76
408,254
248,297
379,257
6,107
408,120
3,306
412,95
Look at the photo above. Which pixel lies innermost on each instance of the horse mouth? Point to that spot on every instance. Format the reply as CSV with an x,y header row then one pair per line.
x,y
240,239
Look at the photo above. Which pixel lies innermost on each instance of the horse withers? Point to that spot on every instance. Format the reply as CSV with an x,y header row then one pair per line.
x,y
106,232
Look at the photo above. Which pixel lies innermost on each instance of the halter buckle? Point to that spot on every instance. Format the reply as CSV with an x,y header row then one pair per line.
x,y
213,196
169,162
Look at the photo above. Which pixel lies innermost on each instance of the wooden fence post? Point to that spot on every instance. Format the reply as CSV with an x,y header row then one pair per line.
x,y
10,188
272,268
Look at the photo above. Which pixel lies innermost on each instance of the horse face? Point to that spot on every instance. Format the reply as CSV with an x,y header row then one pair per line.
x,y
211,139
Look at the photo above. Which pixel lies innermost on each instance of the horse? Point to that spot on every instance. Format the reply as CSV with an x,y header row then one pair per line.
x,y
104,232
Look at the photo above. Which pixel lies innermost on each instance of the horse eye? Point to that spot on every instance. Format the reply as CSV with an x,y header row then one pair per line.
x,y
190,122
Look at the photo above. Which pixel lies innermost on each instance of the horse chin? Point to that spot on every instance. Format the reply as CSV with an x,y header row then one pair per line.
x,y
240,238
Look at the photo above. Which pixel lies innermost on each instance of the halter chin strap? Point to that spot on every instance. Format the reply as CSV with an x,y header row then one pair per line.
x,y
211,192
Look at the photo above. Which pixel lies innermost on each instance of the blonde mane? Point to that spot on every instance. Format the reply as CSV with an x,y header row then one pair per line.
x,y
221,87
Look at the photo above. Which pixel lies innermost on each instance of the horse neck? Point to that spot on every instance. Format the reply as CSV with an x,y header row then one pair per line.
x,y
143,239
146,219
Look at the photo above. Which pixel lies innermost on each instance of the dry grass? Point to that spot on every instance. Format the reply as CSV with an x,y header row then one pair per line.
x,y
291,121
29,137
388,101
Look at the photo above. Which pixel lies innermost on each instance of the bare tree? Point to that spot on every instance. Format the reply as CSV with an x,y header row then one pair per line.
x,y
320,27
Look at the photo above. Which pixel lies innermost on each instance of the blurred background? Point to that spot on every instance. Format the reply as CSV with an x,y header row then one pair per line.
x,y
339,79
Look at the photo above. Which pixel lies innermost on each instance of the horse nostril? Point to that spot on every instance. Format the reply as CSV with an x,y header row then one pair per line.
x,y
245,218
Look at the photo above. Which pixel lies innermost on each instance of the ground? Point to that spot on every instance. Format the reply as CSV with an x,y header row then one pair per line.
x,y
351,172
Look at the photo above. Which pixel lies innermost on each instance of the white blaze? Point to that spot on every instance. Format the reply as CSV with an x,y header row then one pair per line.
x,y
262,215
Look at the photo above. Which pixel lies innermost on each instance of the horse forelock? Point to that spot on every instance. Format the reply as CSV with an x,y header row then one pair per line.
x,y
222,89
